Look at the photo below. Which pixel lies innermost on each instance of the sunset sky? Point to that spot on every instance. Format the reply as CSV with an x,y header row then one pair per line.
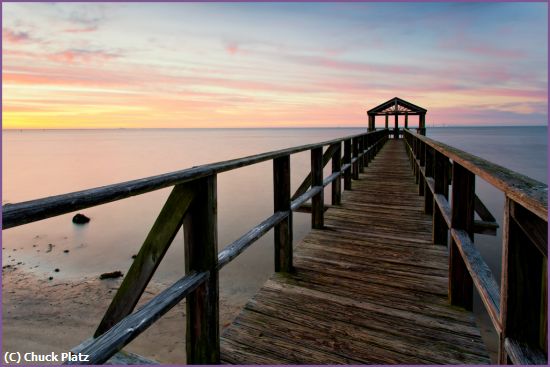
x,y
270,65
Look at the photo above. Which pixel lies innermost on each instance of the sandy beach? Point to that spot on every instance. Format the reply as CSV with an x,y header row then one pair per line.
x,y
44,316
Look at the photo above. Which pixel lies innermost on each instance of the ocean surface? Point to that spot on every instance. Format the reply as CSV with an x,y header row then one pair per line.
x,y
40,163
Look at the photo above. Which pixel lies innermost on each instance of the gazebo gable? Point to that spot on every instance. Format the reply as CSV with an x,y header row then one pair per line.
x,y
397,106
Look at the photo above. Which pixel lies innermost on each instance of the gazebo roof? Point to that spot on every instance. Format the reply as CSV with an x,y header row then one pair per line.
x,y
397,106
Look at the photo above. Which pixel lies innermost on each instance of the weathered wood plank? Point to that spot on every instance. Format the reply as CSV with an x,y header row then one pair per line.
x,y
233,250
347,164
106,345
528,192
327,156
481,275
462,218
336,168
368,288
522,354
201,254
150,255
281,203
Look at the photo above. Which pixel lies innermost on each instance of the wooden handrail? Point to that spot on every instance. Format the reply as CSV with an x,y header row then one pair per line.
x,y
102,348
526,191
519,309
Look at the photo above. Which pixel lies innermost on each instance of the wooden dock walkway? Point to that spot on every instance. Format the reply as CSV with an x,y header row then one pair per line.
x,y
369,288
386,275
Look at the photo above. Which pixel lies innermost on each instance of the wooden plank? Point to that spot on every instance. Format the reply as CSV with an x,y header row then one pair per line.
x,y
368,288
487,228
150,255
440,223
327,156
281,203
355,158
317,201
481,275
336,168
233,250
379,343
103,347
524,281
462,217
526,191
298,202
532,226
347,161
201,254
522,354
482,211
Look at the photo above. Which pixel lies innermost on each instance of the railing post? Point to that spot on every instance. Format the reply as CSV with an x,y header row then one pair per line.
x,y
368,154
524,300
347,160
441,186
201,254
428,196
281,203
317,201
422,159
337,167
462,217
415,154
355,165
361,154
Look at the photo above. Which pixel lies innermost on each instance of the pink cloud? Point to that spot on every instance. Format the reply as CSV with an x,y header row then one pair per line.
x,y
10,36
459,42
232,48
81,56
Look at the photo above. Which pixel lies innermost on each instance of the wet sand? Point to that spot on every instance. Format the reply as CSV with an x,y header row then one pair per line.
x,y
43,316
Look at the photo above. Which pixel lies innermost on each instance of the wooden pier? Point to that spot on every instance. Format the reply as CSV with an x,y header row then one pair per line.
x,y
369,288
386,275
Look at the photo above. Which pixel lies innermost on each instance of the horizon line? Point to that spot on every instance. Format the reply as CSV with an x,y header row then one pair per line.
x,y
250,128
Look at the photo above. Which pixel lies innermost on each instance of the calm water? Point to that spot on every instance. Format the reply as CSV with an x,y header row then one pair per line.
x,y
42,163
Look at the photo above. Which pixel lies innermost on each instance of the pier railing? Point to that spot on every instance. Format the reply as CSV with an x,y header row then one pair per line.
x,y
192,204
519,309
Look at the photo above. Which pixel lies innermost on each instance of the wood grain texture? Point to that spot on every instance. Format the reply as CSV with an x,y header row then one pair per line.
x,y
200,229
105,346
526,191
150,255
281,203
369,288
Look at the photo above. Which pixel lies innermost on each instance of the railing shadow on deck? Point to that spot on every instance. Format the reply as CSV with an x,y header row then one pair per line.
x,y
192,204
519,309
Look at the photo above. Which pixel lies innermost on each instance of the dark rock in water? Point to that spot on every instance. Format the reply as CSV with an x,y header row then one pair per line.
x,y
80,219
113,274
